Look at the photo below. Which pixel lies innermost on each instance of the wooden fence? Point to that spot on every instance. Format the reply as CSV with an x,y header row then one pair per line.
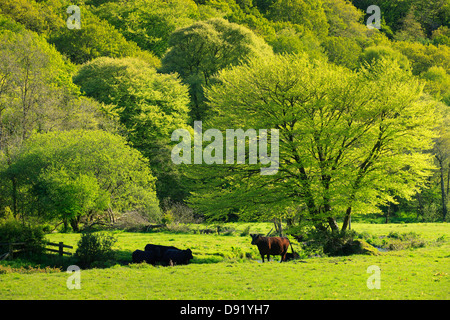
x,y
12,248
60,246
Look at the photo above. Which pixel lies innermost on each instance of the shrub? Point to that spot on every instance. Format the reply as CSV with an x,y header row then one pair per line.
x,y
12,230
176,227
132,221
95,247
336,243
245,232
178,212
395,240
405,240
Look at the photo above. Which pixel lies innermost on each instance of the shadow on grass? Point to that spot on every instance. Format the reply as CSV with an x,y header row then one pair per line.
x,y
48,262
36,263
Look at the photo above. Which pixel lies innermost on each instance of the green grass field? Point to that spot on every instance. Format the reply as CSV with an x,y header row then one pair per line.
x,y
226,267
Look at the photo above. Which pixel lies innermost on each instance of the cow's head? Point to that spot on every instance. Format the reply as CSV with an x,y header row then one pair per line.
x,y
255,238
188,253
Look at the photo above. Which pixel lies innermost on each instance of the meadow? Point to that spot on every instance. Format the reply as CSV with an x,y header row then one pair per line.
x,y
228,267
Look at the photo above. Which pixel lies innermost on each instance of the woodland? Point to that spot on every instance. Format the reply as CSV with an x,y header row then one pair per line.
x,y
87,114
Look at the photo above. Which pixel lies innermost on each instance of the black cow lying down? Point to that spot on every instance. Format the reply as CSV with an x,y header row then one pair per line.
x,y
166,255
173,257
158,250
141,256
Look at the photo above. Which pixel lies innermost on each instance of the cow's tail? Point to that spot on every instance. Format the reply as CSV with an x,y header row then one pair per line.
x,y
291,247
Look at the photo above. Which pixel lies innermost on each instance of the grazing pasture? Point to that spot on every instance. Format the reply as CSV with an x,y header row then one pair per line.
x,y
227,267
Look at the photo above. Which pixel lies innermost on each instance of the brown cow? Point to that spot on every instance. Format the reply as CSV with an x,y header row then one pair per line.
x,y
271,246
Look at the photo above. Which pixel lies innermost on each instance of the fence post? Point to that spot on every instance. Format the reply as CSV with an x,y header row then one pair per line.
x,y
61,249
11,250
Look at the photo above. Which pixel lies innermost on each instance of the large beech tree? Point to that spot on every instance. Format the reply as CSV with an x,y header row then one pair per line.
x,y
349,141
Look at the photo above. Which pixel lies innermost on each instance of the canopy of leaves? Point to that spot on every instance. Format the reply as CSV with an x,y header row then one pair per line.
x,y
347,140
96,38
149,23
36,90
199,51
150,105
79,172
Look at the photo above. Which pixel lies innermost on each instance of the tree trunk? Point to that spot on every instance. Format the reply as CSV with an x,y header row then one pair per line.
x,y
388,213
420,211
443,197
74,223
278,228
14,196
448,179
346,219
333,224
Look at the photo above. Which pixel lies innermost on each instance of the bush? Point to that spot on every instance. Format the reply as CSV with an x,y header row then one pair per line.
x,y
178,212
95,247
395,240
405,240
132,221
337,243
245,232
176,227
12,230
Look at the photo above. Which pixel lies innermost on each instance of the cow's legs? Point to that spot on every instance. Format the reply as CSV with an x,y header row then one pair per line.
x,y
283,256
268,258
262,256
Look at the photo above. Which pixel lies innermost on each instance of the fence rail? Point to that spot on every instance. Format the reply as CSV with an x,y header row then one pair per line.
x,y
11,249
60,246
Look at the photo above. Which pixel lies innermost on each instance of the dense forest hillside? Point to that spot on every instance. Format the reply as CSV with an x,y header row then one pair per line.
x,y
89,112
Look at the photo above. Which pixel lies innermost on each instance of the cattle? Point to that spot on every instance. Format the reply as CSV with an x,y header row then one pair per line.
x,y
276,246
292,256
158,250
173,257
139,256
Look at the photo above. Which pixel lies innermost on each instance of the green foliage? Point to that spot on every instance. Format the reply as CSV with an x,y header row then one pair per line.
x,y
199,51
342,51
120,43
149,23
429,14
438,83
306,12
411,30
334,154
13,231
344,19
335,243
38,16
95,248
441,36
150,106
395,240
372,54
66,195
96,38
37,92
423,57
290,40
77,173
